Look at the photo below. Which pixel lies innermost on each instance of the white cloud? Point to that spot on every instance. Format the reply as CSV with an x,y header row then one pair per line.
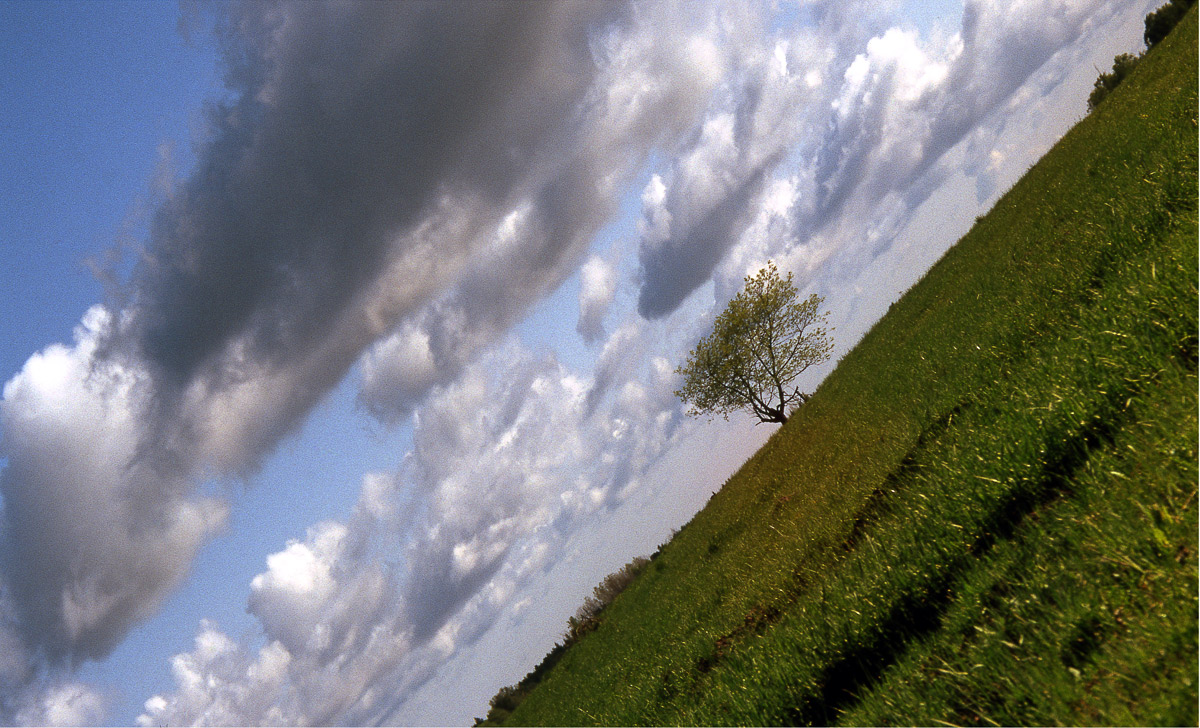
x,y
768,108
69,704
597,286
97,530
398,369
509,460
220,683
860,154
292,594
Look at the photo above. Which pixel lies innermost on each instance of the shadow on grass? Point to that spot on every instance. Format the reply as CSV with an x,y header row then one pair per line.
x,y
920,612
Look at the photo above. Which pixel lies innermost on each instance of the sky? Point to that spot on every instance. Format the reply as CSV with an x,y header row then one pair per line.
x,y
339,339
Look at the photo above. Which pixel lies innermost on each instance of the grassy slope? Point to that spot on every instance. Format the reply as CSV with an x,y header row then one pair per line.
x,y
988,512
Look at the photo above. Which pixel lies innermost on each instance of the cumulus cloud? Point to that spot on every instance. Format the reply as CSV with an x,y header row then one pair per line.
x,y
65,704
507,461
95,533
330,627
698,210
597,286
220,683
855,117
969,89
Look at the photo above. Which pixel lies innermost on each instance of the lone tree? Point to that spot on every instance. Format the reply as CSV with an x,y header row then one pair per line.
x,y
759,344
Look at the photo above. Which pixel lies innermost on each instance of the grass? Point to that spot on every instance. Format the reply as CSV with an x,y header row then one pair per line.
x,y
988,513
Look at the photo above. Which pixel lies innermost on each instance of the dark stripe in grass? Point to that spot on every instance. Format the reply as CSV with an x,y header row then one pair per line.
x,y
920,612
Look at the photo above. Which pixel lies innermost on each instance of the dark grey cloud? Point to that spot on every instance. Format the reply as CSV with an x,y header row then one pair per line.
x,y
364,157
647,90
352,126
684,261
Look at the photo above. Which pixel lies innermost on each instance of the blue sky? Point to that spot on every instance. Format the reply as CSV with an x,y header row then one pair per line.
x,y
84,134
339,350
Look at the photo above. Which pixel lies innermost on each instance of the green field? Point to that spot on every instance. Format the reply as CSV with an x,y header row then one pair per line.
x,y
988,513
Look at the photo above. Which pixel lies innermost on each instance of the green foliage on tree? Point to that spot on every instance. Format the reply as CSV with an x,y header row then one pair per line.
x,y
762,341
587,616
1160,22
1105,82
1158,25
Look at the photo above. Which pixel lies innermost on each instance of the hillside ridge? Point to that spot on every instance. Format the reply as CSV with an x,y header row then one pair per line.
x,y
987,513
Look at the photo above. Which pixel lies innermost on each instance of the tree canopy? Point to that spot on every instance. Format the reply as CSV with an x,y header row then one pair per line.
x,y
759,344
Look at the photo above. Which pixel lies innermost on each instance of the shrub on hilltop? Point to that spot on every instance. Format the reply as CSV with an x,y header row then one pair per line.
x,y
1158,25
